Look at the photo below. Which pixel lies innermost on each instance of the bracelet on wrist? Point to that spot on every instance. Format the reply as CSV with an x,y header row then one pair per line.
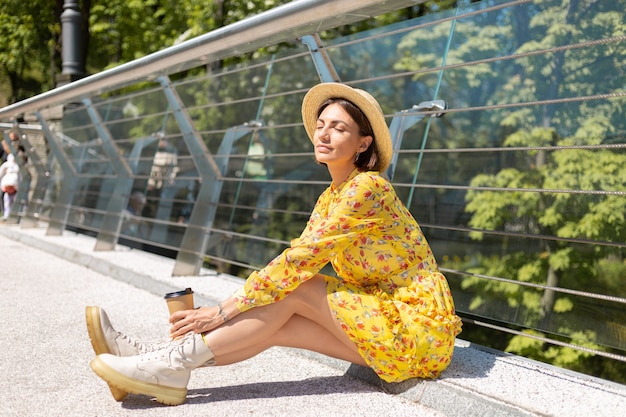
x,y
220,311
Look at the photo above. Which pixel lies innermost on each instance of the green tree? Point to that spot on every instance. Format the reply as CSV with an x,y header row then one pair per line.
x,y
113,32
566,151
575,129
29,33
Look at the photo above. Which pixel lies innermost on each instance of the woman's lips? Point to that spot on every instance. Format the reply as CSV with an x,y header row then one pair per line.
x,y
323,148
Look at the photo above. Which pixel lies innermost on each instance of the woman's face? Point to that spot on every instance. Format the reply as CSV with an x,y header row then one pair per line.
x,y
337,138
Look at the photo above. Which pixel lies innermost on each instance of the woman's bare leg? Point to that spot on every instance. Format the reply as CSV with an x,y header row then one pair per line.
x,y
299,332
302,320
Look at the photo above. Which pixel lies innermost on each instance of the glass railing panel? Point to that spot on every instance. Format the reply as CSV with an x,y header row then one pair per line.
x,y
384,52
530,85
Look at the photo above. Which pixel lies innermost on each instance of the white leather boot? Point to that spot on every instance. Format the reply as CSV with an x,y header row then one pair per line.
x,y
105,339
162,374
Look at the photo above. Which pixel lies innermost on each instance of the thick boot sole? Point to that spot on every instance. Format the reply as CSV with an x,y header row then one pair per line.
x,y
99,344
164,395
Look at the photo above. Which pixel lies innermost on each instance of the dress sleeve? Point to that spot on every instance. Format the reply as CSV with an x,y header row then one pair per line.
x,y
336,222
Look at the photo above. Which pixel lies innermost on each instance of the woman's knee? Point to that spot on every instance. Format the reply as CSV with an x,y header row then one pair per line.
x,y
311,297
315,285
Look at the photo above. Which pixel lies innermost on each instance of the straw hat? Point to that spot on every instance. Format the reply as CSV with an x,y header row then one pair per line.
x,y
317,95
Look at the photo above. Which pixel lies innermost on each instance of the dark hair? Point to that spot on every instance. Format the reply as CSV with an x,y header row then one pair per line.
x,y
367,160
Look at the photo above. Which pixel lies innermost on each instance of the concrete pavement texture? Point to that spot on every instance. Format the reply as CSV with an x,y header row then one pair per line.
x,y
48,280
46,354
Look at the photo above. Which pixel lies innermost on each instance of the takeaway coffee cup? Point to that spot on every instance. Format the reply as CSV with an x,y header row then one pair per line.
x,y
179,300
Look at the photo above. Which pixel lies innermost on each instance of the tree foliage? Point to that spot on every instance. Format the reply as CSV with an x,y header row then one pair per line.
x,y
573,164
534,191
29,33
113,32
119,31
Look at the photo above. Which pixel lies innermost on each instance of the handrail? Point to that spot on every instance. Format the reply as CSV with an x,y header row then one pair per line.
x,y
296,19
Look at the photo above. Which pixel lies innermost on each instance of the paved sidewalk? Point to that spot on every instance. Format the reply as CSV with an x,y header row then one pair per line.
x,y
46,350
48,281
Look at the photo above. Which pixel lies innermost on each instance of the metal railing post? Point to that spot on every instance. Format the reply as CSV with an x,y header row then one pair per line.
x,y
405,119
31,215
61,208
323,64
111,224
195,240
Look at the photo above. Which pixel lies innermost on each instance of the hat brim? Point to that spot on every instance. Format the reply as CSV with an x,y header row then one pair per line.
x,y
317,95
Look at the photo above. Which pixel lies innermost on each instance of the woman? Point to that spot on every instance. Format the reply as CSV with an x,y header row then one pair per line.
x,y
388,308
9,181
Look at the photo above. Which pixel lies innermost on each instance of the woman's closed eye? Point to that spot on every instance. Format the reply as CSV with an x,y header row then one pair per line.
x,y
338,127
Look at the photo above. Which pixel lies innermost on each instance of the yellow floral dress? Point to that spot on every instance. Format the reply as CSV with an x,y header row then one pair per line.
x,y
388,295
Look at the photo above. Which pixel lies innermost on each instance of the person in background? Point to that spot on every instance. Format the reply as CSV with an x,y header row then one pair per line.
x,y
387,306
9,183
256,163
132,222
5,151
164,166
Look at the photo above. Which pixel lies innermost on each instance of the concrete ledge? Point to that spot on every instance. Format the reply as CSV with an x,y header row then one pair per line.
x,y
479,382
484,382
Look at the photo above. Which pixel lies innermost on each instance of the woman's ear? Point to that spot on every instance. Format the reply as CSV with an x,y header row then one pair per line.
x,y
366,141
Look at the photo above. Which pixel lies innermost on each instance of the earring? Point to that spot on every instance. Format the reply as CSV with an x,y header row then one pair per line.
x,y
356,157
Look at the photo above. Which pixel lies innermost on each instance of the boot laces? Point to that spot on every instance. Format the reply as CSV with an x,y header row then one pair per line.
x,y
166,350
143,347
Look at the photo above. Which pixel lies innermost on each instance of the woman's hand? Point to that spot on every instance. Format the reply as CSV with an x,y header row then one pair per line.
x,y
200,320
